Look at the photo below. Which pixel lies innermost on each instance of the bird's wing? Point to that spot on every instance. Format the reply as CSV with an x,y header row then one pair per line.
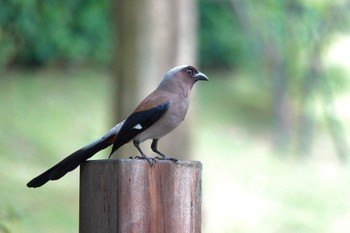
x,y
138,122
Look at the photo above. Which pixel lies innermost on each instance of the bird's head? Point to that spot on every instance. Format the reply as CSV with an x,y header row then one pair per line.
x,y
183,76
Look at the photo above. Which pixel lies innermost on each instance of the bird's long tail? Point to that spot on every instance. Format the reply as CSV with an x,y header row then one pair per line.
x,y
71,162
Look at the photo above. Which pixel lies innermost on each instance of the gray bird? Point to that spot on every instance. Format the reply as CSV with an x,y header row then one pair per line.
x,y
156,116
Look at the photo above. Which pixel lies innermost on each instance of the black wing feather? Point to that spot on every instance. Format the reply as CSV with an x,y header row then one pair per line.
x,y
144,118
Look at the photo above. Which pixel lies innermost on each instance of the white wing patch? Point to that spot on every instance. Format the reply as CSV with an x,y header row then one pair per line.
x,y
138,126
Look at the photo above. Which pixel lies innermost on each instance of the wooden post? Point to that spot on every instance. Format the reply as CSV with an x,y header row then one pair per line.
x,y
121,195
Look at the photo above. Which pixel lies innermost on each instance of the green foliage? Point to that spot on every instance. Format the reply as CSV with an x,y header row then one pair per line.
x,y
231,33
220,45
35,33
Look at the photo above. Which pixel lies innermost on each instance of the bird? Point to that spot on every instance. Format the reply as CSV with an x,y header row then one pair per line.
x,y
156,116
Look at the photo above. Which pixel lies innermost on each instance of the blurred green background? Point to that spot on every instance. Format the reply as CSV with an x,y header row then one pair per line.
x,y
271,127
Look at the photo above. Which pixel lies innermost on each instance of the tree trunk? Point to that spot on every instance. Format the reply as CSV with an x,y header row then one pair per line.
x,y
152,37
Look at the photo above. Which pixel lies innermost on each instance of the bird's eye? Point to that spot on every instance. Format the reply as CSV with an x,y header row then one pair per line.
x,y
189,71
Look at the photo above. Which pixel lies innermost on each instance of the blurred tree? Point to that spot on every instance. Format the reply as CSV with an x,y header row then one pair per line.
x,y
153,37
35,33
221,47
285,41
266,29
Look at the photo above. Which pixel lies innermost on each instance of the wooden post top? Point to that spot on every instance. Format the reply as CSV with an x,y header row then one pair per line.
x,y
130,195
141,162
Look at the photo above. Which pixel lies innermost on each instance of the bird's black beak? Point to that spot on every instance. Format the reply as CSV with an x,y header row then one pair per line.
x,y
200,76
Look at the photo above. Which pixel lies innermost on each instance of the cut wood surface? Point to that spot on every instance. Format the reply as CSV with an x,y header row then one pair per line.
x,y
121,195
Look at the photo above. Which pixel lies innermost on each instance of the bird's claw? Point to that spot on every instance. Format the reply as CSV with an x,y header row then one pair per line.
x,y
166,158
151,161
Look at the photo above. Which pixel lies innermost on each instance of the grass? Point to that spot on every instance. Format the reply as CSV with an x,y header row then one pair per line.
x,y
248,190
44,115
245,188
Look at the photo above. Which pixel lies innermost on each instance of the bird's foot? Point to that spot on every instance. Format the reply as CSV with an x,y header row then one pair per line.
x,y
166,158
151,161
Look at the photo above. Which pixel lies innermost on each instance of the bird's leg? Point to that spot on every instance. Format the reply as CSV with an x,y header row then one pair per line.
x,y
143,156
154,147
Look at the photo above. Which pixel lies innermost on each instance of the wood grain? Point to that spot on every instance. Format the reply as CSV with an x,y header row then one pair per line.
x,y
120,195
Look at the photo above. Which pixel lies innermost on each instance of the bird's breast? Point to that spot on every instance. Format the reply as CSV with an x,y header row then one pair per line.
x,y
168,122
